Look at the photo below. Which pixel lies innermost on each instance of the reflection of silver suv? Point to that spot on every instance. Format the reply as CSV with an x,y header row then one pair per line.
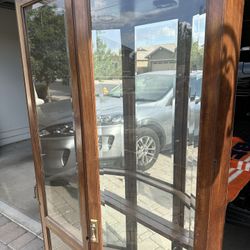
x,y
154,118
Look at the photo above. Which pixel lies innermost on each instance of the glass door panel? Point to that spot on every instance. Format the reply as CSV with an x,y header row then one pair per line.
x,y
148,64
46,26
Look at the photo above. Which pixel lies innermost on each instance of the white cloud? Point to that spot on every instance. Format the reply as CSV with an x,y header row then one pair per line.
x,y
157,33
168,31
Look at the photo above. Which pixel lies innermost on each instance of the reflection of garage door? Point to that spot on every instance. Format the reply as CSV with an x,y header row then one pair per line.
x,y
159,66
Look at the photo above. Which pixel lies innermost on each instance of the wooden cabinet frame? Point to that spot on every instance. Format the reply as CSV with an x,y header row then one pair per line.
x,y
79,45
222,49
222,46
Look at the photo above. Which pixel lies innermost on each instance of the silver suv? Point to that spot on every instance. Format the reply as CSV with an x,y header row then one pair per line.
x,y
154,121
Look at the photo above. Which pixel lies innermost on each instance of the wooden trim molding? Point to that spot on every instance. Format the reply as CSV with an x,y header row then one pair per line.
x,y
82,20
77,118
222,47
66,237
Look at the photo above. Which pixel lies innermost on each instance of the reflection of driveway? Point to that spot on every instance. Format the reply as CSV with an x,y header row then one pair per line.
x,y
151,199
63,206
59,89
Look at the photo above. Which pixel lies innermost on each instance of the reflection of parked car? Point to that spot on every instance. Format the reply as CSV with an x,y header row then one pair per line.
x,y
154,118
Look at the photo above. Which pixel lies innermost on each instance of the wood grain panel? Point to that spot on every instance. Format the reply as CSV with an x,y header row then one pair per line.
x,y
82,21
222,46
75,85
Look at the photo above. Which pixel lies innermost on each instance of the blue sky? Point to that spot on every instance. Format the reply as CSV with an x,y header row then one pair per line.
x,y
199,22
111,37
156,33
153,34
149,34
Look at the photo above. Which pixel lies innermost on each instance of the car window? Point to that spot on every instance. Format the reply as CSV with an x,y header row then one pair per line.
x,y
153,87
149,87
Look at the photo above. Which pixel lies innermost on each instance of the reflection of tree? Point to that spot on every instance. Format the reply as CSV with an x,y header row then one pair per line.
x,y
196,56
47,41
107,64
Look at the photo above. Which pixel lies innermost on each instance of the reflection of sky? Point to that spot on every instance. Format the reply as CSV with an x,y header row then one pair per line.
x,y
59,4
112,38
145,35
153,34
139,7
199,22
156,33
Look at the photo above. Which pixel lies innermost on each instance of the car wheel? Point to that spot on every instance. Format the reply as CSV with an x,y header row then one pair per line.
x,y
147,148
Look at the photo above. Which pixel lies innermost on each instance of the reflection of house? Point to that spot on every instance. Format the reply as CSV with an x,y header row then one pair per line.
x,y
155,58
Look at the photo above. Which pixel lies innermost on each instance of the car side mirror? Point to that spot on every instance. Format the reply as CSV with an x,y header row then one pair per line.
x,y
192,98
197,99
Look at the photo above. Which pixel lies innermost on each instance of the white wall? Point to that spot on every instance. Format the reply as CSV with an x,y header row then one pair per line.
x,y
13,111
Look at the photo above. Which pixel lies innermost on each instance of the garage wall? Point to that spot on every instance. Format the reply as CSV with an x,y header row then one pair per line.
x,y
13,112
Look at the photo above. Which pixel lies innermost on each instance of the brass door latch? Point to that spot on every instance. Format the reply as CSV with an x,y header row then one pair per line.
x,y
94,231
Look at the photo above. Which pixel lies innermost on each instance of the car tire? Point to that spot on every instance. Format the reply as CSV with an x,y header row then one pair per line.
x,y
147,148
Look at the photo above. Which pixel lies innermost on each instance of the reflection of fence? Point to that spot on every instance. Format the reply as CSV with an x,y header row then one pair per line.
x,y
140,215
152,181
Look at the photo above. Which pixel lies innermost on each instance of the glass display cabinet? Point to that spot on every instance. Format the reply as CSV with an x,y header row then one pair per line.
x,y
130,107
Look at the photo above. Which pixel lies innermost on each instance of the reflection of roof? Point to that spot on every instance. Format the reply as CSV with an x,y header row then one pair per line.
x,y
143,53
159,48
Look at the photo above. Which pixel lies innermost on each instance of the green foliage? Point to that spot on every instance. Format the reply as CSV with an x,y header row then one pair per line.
x,y
42,90
196,57
107,64
47,41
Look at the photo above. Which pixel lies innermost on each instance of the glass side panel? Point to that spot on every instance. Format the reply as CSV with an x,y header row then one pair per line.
x,y
148,64
49,59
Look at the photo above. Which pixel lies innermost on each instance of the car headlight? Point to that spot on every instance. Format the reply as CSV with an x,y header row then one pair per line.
x,y
58,130
109,119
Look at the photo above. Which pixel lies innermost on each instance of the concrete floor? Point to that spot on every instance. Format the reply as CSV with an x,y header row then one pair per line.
x,y
17,178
